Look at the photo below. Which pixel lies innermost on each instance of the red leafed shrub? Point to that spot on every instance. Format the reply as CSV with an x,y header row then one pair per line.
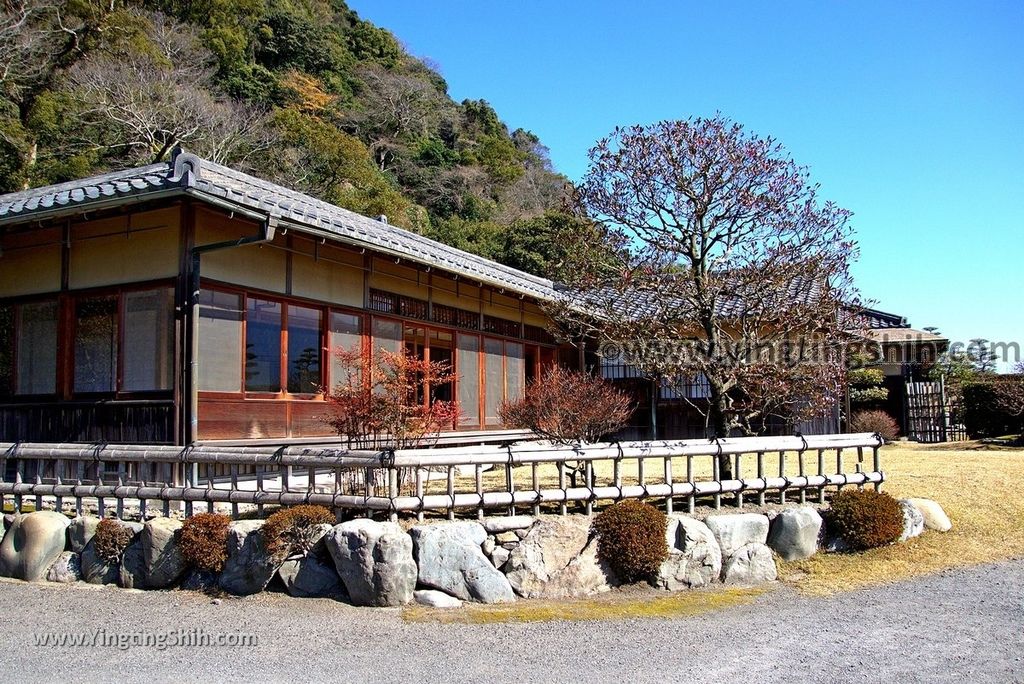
x,y
389,400
631,539
291,530
567,406
204,541
875,421
865,518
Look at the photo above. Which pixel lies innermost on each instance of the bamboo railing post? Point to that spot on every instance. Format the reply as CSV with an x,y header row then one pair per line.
x,y
58,478
451,492
510,486
782,474
803,473
120,483
189,484
478,476
18,479
617,476
839,466
392,475
419,493
259,490
821,472
40,466
563,509
79,476
691,500
588,474
739,476
717,476
101,507
641,476
535,483
760,476
860,465
233,471
877,464
668,481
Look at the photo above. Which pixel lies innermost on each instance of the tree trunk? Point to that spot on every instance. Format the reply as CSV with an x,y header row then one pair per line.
x,y
719,420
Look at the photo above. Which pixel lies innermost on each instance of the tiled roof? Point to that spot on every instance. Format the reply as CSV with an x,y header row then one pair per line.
x,y
206,180
903,335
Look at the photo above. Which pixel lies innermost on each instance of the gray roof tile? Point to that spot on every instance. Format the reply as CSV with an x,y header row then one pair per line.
x,y
217,181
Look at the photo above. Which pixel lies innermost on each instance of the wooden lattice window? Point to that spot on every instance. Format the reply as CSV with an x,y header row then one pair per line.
x,y
457,318
535,333
500,326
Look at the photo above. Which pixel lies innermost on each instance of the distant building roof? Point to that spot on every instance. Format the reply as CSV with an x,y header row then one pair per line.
x,y
903,335
882,319
189,175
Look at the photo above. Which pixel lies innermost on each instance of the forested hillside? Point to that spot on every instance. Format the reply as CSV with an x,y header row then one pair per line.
x,y
303,92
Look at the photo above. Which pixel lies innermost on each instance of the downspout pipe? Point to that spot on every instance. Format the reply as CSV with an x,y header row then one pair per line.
x,y
266,234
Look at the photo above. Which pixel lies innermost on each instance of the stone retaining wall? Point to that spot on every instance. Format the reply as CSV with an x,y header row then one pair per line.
x,y
372,563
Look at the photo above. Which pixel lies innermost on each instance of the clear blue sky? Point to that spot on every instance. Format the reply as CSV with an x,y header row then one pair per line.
x,y
910,114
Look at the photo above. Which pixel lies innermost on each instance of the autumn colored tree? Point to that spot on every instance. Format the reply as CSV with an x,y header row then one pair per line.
x,y
726,266
388,400
568,407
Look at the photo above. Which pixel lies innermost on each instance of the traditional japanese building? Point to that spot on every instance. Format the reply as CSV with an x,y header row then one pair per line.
x,y
186,302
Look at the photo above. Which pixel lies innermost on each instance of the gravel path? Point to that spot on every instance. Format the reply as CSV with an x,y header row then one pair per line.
x,y
960,625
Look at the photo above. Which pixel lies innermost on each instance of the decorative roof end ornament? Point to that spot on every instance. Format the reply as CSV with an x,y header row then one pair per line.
x,y
186,167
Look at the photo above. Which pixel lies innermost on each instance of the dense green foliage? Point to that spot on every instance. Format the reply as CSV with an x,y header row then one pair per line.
x,y
631,539
204,541
994,407
303,92
864,518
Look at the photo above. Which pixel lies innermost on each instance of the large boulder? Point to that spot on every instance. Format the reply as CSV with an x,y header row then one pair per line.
x,y
736,530
750,564
310,576
67,569
694,558
81,531
164,563
794,533
435,599
374,561
509,523
131,573
249,568
558,559
450,559
32,544
913,521
934,517
96,570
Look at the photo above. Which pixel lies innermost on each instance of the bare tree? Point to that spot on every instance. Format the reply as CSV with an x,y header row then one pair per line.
x,y
146,102
726,267
37,38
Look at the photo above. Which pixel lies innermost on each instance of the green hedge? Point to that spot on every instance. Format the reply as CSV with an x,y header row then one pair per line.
x,y
985,403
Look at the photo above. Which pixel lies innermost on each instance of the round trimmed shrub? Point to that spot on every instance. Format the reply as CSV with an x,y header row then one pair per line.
x,y
875,421
631,539
203,541
865,519
293,530
111,539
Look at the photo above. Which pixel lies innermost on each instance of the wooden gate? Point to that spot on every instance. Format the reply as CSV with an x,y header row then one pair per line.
x,y
931,416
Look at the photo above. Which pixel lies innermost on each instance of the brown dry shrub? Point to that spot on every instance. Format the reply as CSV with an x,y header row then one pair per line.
x,y
203,541
293,530
864,518
631,539
111,539
568,406
875,421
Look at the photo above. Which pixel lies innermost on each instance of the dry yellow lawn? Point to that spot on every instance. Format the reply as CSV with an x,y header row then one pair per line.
x,y
979,490
977,487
